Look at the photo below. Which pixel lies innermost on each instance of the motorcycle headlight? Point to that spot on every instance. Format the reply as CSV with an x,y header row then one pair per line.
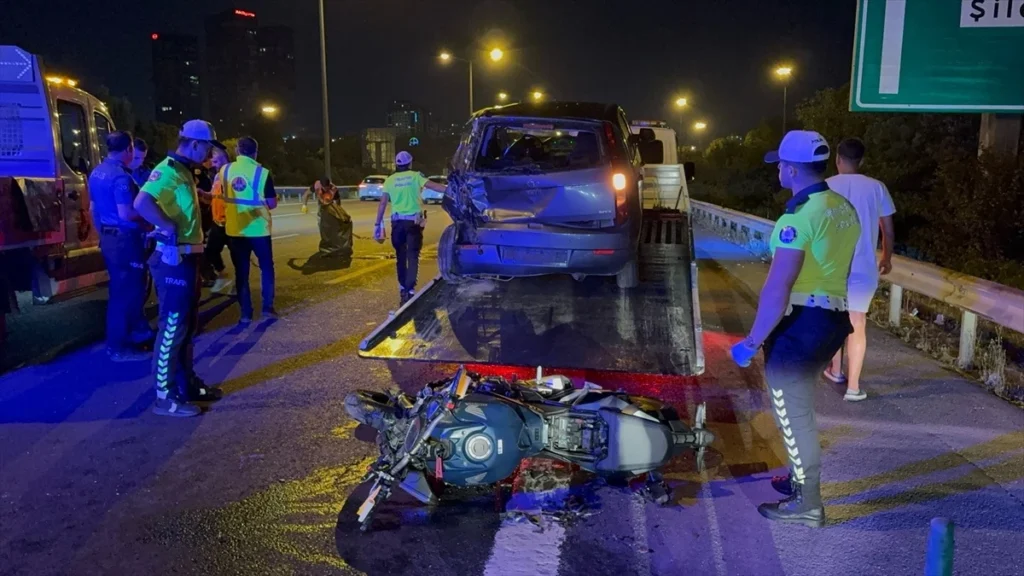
x,y
479,447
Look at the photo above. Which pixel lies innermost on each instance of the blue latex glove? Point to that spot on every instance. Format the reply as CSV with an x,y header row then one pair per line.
x,y
742,353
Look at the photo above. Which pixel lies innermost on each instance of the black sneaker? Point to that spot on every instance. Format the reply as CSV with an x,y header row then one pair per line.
x,y
122,356
404,297
794,510
783,484
244,321
205,394
270,314
175,408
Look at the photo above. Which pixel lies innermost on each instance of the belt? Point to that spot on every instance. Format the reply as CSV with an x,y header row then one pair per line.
x,y
183,249
835,303
117,230
411,217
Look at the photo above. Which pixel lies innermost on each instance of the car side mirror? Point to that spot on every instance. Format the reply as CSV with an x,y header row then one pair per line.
x,y
689,171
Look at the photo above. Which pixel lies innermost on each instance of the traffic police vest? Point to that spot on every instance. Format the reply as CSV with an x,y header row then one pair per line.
x,y
245,210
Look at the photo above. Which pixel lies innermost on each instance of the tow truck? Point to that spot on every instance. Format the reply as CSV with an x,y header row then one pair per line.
x,y
565,323
52,134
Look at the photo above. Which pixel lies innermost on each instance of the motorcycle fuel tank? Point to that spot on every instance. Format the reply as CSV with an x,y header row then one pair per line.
x,y
489,436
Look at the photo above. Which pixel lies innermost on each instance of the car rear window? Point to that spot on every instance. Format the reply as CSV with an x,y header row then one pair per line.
x,y
543,146
373,181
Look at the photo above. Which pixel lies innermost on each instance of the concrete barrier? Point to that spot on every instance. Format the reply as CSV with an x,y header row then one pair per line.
x,y
291,194
975,297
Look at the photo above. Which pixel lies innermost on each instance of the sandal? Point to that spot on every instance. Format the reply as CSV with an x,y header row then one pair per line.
x,y
840,379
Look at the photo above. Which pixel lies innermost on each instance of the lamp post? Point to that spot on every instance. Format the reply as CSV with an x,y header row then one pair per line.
x,y
323,94
502,96
537,95
495,55
784,73
680,106
699,127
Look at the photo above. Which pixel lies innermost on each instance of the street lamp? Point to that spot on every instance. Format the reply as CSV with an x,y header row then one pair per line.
x,y
502,96
698,126
269,110
445,57
784,73
680,105
537,95
323,95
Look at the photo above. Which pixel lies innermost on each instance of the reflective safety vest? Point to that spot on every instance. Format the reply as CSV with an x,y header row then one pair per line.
x,y
245,209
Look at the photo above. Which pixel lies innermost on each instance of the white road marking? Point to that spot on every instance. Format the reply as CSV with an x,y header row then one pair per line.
x,y
283,236
520,550
276,216
361,272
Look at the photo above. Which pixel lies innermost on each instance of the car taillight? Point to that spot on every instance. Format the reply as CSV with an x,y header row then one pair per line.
x,y
619,181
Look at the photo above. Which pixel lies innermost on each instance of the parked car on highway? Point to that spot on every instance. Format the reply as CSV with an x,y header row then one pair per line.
x,y
545,188
431,197
372,187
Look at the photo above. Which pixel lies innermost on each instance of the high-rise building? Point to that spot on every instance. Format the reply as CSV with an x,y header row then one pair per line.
x,y
232,69
409,119
177,93
277,65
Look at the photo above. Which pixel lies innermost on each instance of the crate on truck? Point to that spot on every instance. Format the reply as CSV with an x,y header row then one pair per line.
x,y
51,135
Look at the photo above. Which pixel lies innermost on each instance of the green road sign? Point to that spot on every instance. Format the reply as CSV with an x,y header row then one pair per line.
x,y
938,56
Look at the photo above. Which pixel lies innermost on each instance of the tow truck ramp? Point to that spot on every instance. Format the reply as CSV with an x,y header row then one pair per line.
x,y
560,322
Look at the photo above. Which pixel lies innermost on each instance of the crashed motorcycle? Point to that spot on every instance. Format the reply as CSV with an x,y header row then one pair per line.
x,y
473,430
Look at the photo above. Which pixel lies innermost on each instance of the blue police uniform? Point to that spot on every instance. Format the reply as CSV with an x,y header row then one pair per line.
x,y
122,243
141,175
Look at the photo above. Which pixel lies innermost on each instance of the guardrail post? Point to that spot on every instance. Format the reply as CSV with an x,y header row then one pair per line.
x,y
939,557
895,305
968,335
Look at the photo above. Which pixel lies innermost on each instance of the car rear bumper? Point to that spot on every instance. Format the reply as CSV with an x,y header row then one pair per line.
x,y
533,250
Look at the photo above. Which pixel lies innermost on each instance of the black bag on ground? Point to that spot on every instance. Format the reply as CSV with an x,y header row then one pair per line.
x,y
335,232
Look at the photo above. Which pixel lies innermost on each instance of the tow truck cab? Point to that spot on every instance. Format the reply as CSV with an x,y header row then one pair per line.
x,y
665,179
51,135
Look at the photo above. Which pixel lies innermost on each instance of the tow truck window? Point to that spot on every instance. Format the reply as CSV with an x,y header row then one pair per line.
x,y
551,147
74,135
102,129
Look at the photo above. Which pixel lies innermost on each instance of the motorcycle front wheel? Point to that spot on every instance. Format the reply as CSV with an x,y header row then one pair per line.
x,y
373,409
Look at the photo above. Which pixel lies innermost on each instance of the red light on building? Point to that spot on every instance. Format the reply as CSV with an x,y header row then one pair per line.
x,y
155,36
245,14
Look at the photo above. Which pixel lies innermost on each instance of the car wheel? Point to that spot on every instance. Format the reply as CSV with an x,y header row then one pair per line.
x,y
446,256
629,276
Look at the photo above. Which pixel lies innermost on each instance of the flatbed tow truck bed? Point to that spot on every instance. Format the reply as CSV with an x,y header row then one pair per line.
x,y
558,322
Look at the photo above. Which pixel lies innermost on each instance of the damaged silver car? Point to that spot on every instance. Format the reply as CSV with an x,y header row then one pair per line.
x,y
544,188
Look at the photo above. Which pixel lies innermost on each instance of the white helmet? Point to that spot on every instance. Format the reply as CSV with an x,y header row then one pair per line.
x,y
403,158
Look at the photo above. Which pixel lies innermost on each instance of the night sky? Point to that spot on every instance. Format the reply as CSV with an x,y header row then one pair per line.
x,y
640,54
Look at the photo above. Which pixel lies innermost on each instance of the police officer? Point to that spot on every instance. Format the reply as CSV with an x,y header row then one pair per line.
x,y
249,196
122,244
170,202
802,316
140,170
403,190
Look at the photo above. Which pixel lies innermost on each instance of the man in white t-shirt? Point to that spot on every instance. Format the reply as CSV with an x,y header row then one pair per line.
x,y
874,204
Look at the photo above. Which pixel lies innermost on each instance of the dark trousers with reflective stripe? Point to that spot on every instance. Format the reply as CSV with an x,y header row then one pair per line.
x,y
407,238
177,288
124,253
795,355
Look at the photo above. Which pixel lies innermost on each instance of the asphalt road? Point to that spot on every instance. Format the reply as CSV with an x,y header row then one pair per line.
x,y
266,482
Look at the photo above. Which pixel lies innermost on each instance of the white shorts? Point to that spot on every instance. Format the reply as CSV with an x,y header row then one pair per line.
x,y
859,293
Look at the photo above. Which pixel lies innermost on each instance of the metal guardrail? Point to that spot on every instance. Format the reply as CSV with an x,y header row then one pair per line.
x,y
975,297
289,193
